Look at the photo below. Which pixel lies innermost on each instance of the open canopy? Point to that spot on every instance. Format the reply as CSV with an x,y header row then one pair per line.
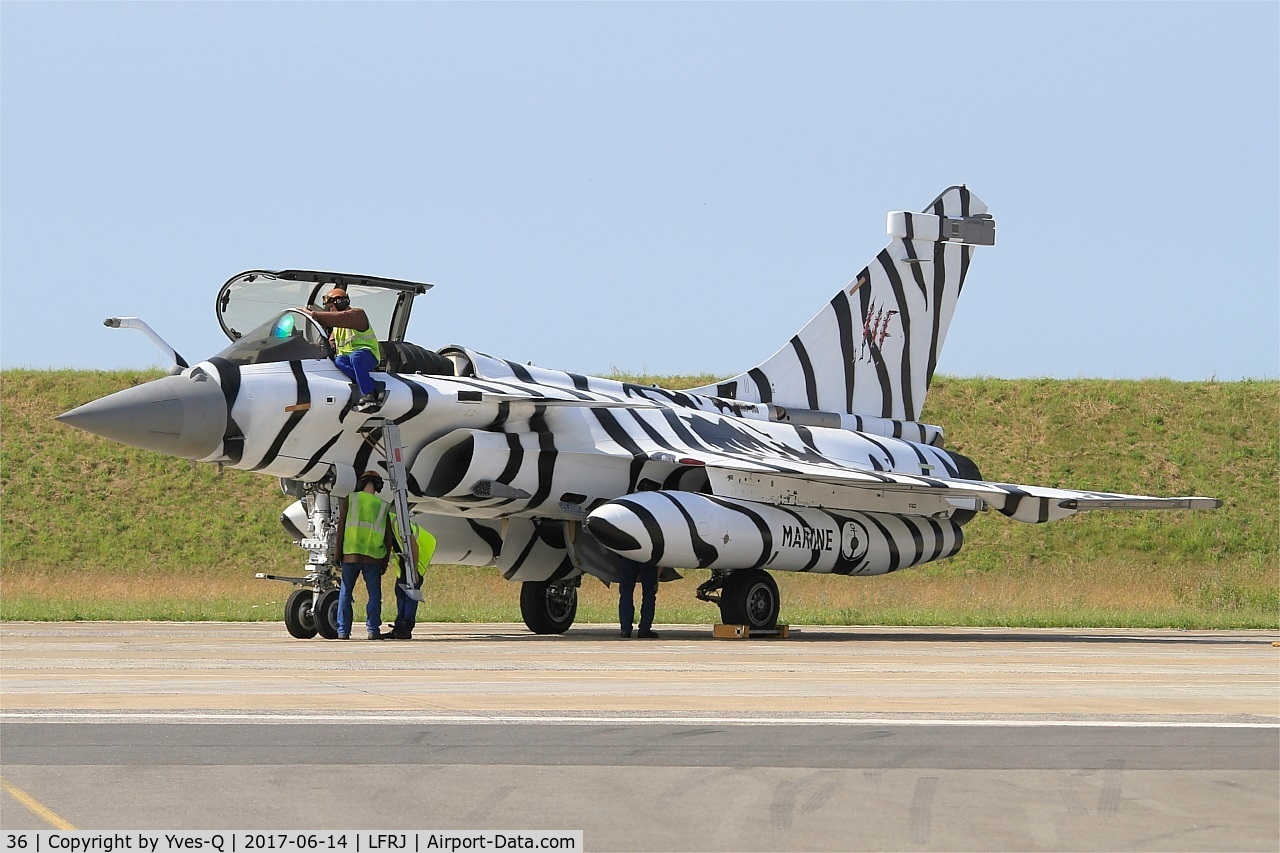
x,y
250,299
289,336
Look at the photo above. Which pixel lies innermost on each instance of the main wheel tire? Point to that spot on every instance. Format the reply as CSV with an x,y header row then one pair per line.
x,y
299,621
547,607
326,613
750,597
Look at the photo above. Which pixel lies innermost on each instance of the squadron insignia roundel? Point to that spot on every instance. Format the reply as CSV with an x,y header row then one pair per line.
x,y
853,541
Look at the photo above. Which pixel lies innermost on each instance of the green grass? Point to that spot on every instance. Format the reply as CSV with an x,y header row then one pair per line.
x,y
90,529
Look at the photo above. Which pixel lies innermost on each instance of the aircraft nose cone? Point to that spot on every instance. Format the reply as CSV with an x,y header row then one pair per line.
x,y
176,415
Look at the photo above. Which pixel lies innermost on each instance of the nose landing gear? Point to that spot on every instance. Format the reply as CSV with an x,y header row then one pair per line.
x,y
312,608
309,611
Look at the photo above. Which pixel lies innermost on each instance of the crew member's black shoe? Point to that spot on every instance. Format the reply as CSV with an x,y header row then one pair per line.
x,y
378,635
626,635
647,635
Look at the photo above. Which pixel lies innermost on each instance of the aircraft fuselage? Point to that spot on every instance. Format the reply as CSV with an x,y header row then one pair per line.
x,y
293,420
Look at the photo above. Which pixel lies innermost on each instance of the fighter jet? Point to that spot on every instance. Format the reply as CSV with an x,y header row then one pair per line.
x,y
813,461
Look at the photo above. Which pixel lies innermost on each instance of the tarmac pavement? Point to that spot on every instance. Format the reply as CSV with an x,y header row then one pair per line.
x,y
834,739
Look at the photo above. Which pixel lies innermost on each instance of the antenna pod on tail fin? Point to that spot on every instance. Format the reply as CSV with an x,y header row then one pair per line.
x,y
873,348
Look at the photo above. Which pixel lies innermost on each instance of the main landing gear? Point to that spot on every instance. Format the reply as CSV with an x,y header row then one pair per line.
x,y
549,607
746,597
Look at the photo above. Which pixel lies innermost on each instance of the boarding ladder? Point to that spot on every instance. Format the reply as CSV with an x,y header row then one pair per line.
x,y
397,479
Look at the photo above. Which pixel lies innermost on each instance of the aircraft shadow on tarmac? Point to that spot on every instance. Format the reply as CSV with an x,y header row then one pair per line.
x,y
822,633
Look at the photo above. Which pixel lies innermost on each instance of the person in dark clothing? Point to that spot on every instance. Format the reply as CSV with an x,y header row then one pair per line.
x,y
648,578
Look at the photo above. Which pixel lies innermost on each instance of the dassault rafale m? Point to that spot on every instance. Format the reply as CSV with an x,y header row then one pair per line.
x,y
813,461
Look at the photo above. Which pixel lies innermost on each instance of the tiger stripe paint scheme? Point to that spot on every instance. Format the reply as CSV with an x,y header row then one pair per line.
x,y
600,441
873,348
686,530
815,460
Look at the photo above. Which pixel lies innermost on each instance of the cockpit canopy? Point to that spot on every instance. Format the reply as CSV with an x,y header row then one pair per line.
x,y
289,336
251,299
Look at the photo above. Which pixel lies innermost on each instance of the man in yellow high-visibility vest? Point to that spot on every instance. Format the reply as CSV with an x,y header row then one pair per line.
x,y
355,344
362,541
424,548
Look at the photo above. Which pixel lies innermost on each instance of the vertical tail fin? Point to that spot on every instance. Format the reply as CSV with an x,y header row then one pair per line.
x,y
873,348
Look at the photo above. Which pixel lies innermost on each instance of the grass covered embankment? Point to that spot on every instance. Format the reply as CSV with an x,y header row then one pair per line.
x,y
95,530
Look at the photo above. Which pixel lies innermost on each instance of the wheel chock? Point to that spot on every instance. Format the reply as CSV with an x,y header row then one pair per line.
x,y
744,632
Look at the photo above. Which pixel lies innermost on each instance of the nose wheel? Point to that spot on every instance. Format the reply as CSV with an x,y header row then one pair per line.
x,y
327,614
299,617
307,613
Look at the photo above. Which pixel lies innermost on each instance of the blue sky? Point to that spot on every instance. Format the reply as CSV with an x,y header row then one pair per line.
x,y
654,187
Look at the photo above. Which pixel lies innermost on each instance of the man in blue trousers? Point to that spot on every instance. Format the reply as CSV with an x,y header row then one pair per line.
x,y
362,541
648,578
355,345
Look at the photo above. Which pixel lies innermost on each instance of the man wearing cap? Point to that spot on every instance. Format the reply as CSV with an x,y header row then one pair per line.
x,y
363,531
354,342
